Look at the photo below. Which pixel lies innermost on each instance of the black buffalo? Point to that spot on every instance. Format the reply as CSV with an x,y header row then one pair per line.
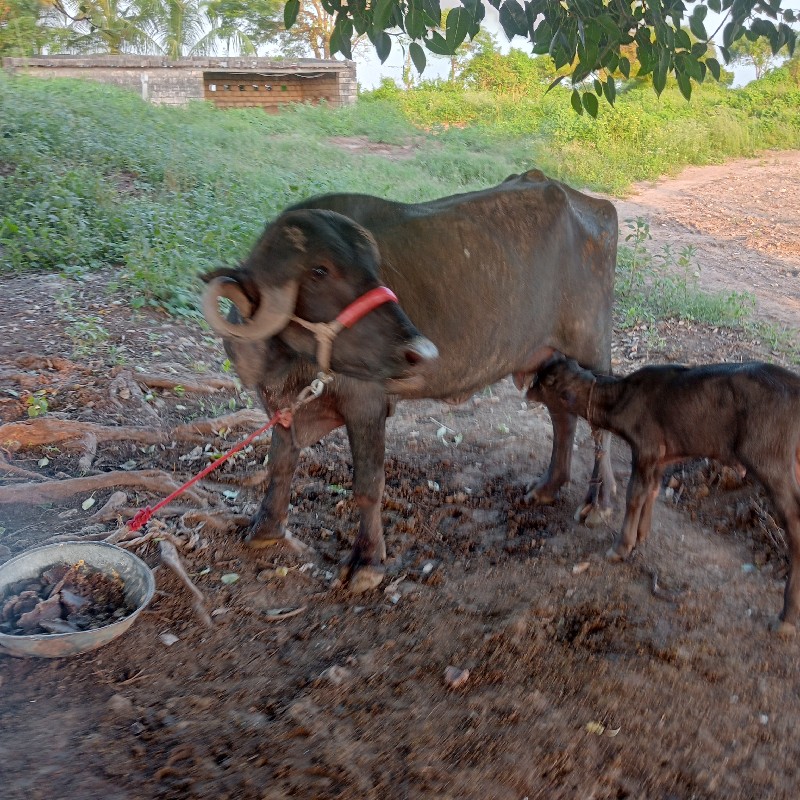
x,y
497,279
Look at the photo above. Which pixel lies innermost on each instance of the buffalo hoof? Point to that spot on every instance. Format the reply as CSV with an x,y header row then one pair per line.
x,y
539,495
360,579
614,556
287,542
783,629
592,516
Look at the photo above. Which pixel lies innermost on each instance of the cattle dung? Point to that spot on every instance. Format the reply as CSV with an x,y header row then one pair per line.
x,y
65,598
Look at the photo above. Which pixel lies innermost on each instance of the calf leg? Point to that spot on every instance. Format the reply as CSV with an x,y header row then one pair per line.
x,y
640,487
596,507
544,490
788,508
646,516
364,569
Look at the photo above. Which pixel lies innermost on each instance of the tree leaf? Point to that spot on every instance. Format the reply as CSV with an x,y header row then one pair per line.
x,y
437,44
660,71
416,24
432,11
383,44
290,12
382,13
713,66
513,19
576,101
697,28
610,90
590,103
457,27
417,57
684,84
625,66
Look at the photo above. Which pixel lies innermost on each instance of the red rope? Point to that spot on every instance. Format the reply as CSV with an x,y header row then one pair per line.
x,y
143,515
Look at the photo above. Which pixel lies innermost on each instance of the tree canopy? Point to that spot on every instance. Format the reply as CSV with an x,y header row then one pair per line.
x,y
588,37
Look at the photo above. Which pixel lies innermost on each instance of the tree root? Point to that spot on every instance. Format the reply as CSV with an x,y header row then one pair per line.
x,y
151,480
48,430
169,555
191,385
10,469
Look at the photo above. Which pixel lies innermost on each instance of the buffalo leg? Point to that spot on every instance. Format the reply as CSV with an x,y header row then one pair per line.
x,y
544,491
364,569
268,525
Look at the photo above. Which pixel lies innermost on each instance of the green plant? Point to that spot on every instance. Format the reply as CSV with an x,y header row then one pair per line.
x,y
666,285
37,404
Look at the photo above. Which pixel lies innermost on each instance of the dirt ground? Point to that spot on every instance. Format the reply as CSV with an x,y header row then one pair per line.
x,y
656,678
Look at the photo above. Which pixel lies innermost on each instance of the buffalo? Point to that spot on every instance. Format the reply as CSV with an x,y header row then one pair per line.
x,y
497,280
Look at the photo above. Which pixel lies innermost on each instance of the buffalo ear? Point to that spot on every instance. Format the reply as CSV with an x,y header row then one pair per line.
x,y
358,238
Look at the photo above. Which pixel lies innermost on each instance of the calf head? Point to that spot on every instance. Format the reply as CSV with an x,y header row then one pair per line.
x,y
311,264
561,383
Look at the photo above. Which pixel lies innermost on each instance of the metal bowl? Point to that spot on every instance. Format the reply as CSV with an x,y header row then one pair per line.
x,y
136,575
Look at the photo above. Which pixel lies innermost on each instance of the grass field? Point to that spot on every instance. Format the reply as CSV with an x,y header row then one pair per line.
x,y
93,177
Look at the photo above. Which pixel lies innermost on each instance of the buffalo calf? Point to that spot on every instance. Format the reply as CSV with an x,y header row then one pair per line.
x,y
744,415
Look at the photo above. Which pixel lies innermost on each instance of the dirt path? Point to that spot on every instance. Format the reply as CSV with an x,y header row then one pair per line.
x,y
654,679
742,217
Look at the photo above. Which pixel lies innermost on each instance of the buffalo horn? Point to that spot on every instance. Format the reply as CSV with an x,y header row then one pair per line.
x,y
271,316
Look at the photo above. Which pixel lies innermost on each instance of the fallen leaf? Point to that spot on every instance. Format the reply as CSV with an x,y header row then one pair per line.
x,y
88,503
229,578
597,728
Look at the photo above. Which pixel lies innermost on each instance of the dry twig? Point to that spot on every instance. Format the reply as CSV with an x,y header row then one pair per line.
x,y
169,555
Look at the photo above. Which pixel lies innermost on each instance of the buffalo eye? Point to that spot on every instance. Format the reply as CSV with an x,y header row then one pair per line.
x,y
320,272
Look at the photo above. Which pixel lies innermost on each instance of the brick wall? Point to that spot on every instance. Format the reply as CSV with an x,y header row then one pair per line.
x,y
234,79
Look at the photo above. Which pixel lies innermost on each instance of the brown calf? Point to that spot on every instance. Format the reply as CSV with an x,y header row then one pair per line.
x,y
744,415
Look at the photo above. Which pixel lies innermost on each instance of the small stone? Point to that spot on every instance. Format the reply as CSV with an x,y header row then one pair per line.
x,y
220,612
168,638
455,678
763,719
119,704
336,674
577,569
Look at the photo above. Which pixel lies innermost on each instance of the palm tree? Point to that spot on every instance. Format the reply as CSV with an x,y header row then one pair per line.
x,y
107,26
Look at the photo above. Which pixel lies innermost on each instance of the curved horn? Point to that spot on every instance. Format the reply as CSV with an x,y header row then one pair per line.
x,y
272,315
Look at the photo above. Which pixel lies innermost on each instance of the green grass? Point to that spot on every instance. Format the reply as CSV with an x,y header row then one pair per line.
x,y
92,177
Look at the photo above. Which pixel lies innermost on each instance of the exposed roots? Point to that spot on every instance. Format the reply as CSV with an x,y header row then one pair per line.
x,y
151,480
192,385
10,469
48,430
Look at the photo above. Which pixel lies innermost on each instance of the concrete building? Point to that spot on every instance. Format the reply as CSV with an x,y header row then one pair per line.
x,y
227,82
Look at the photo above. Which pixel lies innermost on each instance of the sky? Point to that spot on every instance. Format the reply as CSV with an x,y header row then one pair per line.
x,y
370,71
